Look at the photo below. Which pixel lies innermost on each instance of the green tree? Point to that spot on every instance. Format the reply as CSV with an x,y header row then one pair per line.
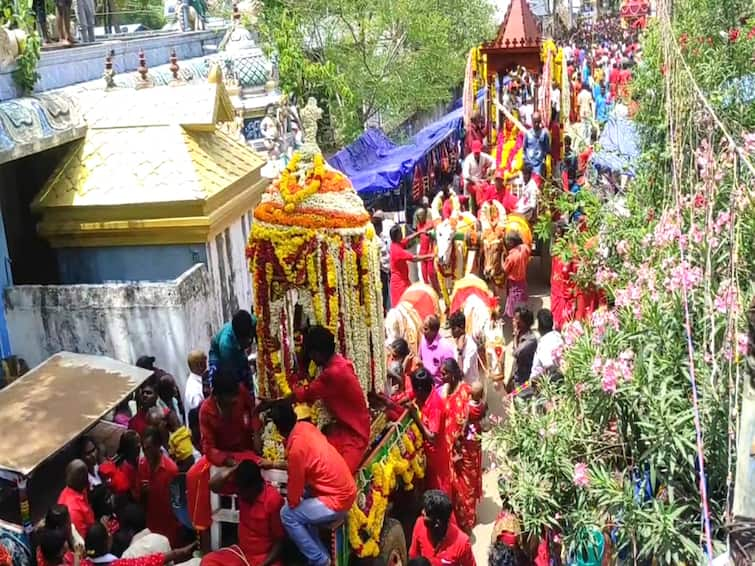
x,y
387,58
19,15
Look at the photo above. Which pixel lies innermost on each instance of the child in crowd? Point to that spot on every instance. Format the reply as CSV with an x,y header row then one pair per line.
x,y
468,459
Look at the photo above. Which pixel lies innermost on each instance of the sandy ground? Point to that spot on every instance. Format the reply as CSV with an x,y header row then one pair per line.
x,y
488,508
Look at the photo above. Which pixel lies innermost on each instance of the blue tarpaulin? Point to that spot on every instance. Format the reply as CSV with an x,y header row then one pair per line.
x,y
375,165
619,147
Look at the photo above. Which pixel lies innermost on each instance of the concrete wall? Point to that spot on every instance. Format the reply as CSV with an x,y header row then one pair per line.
x,y
226,256
127,263
123,321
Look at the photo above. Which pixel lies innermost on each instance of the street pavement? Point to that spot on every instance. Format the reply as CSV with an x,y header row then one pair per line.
x,y
487,509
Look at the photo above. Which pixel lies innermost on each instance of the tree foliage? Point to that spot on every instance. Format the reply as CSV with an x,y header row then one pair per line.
x,y
387,58
19,15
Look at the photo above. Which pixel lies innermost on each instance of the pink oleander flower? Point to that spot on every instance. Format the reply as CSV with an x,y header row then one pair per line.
x,y
728,352
601,320
696,235
749,139
581,476
704,158
572,332
743,342
646,275
726,298
626,364
666,232
558,356
723,221
604,276
629,297
611,374
622,247
597,365
683,276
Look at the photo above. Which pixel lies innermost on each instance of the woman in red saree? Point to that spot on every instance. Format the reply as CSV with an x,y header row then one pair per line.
x,y
444,415
468,465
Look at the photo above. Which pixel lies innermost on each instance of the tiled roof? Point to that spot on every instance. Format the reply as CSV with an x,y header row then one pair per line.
x,y
155,145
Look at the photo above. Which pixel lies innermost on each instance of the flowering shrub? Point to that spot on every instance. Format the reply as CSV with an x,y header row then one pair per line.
x,y
614,444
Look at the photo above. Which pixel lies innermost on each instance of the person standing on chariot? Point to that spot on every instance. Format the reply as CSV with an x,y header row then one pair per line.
x,y
536,146
338,388
477,167
477,132
499,192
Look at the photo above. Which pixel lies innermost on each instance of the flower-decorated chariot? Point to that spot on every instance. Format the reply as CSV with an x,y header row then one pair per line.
x,y
314,259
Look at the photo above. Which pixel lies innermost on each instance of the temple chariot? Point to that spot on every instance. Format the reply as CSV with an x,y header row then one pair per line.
x,y
314,258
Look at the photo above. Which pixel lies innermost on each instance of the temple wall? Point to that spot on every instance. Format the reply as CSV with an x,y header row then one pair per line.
x,y
226,257
120,320
127,263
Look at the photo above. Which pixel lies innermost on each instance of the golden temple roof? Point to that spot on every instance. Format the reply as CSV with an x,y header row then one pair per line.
x,y
154,168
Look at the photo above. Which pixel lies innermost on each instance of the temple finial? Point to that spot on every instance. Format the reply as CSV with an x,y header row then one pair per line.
x,y
174,64
109,73
143,80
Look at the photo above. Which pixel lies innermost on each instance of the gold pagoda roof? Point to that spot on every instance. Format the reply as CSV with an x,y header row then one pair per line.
x,y
154,168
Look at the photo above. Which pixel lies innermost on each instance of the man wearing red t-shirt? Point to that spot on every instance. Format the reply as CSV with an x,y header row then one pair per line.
x,y
613,79
338,388
227,425
227,422
399,263
498,191
74,496
156,472
436,537
313,461
260,529
147,398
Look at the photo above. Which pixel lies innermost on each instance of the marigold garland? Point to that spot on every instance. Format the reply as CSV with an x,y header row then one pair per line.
x,y
405,461
293,198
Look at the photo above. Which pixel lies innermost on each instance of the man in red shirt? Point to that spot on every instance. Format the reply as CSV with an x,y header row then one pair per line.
x,y
316,464
227,426
498,191
613,79
436,537
260,529
227,423
338,388
146,399
74,496
156,472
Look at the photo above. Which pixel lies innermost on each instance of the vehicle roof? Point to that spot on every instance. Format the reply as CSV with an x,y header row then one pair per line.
x,y
57,401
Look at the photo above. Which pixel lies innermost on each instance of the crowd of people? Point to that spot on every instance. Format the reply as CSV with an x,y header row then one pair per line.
x,y
149,503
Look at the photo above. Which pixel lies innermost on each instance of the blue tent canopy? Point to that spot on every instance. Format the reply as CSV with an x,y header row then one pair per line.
x,y
375,165
619,147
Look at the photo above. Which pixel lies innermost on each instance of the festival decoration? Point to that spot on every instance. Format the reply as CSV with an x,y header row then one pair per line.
x,y
404,462
313,248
